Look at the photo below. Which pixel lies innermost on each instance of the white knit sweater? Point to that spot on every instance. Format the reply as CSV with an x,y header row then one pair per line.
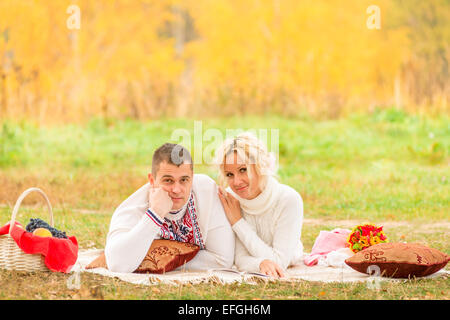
x,y
132,231
270,228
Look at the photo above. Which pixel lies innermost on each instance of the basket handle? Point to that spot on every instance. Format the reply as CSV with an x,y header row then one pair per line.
x,y
19,201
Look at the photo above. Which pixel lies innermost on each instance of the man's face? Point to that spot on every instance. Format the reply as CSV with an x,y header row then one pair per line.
x,y
175,180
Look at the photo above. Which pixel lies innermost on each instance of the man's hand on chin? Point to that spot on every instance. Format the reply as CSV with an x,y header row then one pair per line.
x,y
159,201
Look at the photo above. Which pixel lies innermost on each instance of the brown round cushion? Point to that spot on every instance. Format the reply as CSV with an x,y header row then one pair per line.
x,y
399,260
163,256
166,255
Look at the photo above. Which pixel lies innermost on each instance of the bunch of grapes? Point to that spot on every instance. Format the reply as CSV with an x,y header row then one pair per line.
x,y
39,223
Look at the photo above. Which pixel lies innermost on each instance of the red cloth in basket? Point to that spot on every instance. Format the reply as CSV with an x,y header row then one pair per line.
x,y
60,254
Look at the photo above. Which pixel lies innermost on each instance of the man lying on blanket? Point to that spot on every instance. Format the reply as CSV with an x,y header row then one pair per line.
x,y
176,204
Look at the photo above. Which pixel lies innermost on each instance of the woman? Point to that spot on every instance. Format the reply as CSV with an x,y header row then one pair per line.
x,y
266,215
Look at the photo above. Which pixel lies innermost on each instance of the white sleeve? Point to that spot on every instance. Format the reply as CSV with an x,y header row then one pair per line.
x,y
131,234
219,251
286,235
244,261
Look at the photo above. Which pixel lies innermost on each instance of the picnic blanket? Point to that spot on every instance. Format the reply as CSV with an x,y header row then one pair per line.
x,y
321,273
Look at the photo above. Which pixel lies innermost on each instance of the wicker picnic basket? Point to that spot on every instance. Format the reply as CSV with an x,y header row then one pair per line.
x,y
11,256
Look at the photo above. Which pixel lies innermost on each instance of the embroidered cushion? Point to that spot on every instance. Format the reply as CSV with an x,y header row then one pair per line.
x,y
163,256
166,255
399,260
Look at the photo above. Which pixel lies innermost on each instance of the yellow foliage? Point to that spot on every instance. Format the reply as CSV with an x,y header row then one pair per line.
x,y
150,58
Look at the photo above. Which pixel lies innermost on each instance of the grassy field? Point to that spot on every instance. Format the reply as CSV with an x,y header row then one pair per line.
x,y
386,167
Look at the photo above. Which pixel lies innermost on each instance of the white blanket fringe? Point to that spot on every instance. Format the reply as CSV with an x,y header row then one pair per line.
x,y
293,274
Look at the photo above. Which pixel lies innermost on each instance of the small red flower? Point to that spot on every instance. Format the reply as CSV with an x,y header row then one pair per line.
x,y
363,236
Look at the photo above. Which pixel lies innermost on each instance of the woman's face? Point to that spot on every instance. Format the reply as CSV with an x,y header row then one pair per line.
x,y
236,174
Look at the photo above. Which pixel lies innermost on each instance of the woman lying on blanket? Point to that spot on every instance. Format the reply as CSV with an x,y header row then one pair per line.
x,y
265,215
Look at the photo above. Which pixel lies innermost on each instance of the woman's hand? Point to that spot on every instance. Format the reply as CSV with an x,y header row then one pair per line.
x,y
270,268
231,206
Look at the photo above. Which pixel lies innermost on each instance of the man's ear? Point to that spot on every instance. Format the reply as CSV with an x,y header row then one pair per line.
x,y
151,179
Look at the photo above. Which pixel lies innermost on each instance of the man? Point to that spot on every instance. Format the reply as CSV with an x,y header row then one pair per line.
x,y
176,204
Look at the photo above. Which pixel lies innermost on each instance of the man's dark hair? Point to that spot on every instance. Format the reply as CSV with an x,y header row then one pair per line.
x,y
171,153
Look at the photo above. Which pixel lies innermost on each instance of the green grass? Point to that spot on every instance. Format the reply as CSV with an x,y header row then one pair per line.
x,y
21,285
386,167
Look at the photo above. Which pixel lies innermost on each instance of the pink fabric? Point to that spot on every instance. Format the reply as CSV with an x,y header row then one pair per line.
x,y
326,242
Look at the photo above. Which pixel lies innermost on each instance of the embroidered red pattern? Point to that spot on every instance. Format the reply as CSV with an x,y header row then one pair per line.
x,y
184,230
371,255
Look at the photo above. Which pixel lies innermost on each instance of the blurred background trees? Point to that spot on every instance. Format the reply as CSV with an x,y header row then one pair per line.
x,y
154,58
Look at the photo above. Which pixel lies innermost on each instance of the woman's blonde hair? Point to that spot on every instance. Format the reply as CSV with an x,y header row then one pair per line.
x,y
250,150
